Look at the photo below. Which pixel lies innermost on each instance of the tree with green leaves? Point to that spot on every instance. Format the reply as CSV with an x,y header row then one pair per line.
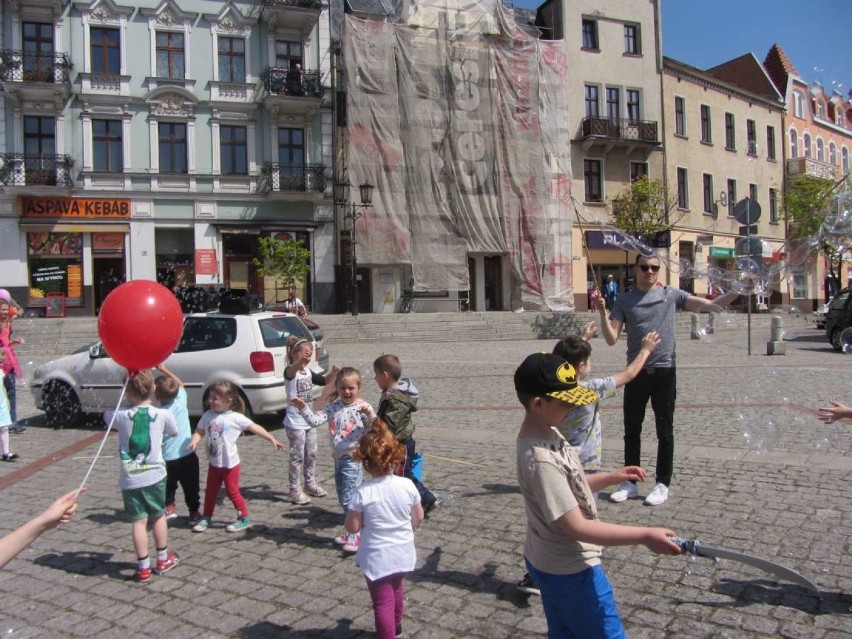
x,y
287,261
643,209
806,202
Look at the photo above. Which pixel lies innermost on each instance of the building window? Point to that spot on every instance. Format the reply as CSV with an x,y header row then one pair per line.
x,y
107,146
40,149
832,154
806,142
773,206
613,104
798,104
38,40
170,55
820,110
682,189
106,50
752,192
287,54
55,266
633,105
680,117
631,39
706,133
233,150
732,196
709,204
844,161
172,140
232,59
730,133
751,137
770,142
592,104
592,177
590,34
794,144
638,170
820,150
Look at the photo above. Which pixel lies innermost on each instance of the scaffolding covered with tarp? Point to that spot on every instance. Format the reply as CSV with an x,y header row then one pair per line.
x,y
459,119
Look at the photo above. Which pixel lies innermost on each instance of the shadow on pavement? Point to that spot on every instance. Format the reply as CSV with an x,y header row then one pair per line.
x,y
772,593
484,582
264,629
90,564
496,489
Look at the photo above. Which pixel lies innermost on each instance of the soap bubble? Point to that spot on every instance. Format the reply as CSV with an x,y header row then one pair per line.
x,y
747,266
761,434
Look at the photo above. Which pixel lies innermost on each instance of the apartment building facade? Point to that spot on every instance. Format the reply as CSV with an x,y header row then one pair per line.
x,y
158,140
818,144
614,101
724,142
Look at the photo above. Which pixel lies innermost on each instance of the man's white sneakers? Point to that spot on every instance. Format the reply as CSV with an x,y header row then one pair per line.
x,y
626,490
657,496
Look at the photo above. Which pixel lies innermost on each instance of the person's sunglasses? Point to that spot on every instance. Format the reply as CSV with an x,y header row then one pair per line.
x,y
645,267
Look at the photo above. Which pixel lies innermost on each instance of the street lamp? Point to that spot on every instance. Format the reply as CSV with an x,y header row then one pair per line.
x,y
351,213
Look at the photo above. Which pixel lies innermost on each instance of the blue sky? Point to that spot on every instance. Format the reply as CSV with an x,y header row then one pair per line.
x,y
815,34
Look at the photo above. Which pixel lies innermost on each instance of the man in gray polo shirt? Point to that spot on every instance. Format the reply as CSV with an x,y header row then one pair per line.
x,y
648,307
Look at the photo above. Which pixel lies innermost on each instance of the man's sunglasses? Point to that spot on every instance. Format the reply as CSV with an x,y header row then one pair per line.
x,y
653,267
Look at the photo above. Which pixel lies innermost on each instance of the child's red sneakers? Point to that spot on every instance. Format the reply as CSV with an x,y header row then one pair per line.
x,y
143,575
170,562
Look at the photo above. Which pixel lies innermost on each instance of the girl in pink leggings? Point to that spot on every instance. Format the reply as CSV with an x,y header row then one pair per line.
x,y
386,511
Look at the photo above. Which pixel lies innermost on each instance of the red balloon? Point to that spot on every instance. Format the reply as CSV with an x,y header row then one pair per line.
x,y
140,324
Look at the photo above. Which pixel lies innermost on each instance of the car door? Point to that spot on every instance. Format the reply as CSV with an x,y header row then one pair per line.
x,y
100,381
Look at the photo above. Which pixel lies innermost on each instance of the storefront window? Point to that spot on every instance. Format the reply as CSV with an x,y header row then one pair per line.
x,y
55,266
175,249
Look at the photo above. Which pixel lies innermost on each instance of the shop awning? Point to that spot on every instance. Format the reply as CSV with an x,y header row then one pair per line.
x,y
76,228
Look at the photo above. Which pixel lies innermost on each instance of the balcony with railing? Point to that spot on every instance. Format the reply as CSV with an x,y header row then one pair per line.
x,y
35,74
292,178
292,90
23,170
292,14
811,168
620,131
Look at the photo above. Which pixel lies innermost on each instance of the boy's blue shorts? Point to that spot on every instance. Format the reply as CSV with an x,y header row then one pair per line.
x,y
578,606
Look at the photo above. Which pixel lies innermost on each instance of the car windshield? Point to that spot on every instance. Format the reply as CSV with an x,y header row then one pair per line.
x,y
276,330
840,299
207,333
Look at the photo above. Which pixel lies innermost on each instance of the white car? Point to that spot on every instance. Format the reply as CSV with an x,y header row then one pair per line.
x,y
246,349
820,316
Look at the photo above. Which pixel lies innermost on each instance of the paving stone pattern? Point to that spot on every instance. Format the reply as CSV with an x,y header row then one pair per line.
x,y
284,578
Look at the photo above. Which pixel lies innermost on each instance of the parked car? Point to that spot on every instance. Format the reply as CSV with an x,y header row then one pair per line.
x,y
820,315
246,349
838,318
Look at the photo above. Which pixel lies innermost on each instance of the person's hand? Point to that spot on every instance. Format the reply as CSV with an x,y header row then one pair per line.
x,y
650,342
657,540
589,330
191,446
601,303
278,445
628,473
837,411
17,340
335,369
298,402
365,409
60,511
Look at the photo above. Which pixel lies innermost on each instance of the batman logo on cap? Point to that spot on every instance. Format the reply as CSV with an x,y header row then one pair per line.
x,y
565,374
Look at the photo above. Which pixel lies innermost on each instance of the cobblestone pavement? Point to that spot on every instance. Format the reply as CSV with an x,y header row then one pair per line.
x,y
781,494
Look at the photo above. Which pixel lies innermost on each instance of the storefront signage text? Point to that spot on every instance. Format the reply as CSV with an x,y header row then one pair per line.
x,y
61,207
721,251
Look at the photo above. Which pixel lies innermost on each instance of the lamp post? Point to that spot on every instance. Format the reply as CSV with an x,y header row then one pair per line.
x,y
351,213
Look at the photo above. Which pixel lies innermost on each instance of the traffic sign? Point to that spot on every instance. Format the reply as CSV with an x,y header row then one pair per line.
x,y
748,229
747,211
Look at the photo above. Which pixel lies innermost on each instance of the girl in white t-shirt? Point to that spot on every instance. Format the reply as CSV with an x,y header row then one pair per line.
x,y
302,436
385,510
223,425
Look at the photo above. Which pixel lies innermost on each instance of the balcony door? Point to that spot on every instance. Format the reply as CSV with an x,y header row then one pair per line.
x,y
291,159
38,51
40,149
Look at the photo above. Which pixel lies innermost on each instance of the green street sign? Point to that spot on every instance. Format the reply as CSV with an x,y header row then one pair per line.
x,y
721,251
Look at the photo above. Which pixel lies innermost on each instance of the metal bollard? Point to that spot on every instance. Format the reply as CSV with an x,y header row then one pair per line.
x,y
776,345
711,327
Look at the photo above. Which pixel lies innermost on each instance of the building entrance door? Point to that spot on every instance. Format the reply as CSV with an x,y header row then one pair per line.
x,y
493,280
107,272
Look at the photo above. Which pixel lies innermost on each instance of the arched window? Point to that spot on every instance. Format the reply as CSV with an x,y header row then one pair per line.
x,y
794,144
832,154
844,161
820,150
806,142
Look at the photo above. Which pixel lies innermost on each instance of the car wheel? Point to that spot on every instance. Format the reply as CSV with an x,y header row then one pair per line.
x,y
835,340
61,405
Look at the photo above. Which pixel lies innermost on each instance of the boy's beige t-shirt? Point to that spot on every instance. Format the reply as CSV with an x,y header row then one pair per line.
x,y
552,481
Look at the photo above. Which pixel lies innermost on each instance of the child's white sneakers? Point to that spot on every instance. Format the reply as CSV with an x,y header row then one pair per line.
x,y
658,495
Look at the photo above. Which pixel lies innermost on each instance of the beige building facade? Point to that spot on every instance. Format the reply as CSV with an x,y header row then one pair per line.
x,y
724,142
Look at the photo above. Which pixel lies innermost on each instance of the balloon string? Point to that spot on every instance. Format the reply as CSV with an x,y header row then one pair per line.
x,y
103,441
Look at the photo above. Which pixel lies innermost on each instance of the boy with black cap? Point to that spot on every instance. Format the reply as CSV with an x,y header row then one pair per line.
x,y
564,535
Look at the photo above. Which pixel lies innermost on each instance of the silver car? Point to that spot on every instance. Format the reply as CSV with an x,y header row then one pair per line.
x,y
247,349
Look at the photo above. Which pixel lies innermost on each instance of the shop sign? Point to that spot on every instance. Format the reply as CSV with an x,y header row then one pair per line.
x,y
68,207
721,251
107,242
205,262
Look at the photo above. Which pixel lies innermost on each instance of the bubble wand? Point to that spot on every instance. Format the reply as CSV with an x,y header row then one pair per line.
x,y
585,246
